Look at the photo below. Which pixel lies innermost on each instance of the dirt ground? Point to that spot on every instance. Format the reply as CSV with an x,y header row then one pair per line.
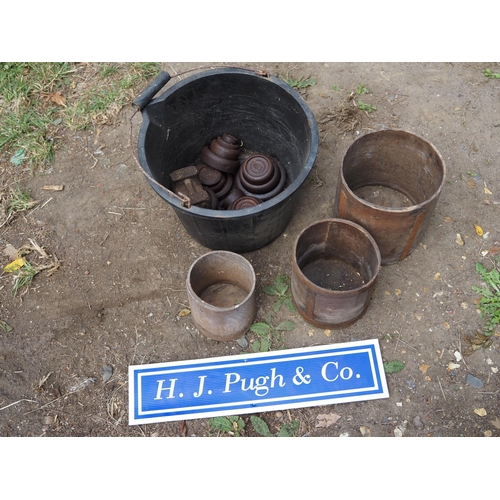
x,y
116,297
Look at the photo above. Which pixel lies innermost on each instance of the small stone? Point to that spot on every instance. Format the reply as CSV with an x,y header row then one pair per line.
x,y
242,342
106,372
417,422
474,381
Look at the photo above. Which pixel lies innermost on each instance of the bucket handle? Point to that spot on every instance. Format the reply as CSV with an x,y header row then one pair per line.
x,y
151,90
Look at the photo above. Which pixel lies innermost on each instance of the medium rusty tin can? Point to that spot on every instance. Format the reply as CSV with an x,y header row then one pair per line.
x,y
221,293
334,268
389,183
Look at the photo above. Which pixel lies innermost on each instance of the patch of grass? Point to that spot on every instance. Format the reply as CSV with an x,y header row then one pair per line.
x,y
23,277
300,83
366,107
489,304
19,201
36,99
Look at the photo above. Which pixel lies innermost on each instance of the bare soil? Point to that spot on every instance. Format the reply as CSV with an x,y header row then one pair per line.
x,y
116,298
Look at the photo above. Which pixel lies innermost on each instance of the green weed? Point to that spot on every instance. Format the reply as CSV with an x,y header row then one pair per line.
x,y
23,277
19,201
393,366
366,107
269,334
261,427
233,425
280,290
362,89
300,83
488,73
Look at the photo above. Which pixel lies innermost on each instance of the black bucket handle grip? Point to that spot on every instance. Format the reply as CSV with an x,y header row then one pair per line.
x,y
151,90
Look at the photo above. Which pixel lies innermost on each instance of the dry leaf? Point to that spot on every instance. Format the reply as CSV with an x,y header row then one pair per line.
x,y
424,368
453,366
57,98
487,191
448,219
494,250
326,419
365,432
471,183
480,411
397,291
459,240
53,188
446,325
184,312
496,423
328,333
310,333
479,230
10,251
436,276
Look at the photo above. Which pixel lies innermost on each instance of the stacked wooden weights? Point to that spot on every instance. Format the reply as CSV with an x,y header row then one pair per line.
x,y
226,178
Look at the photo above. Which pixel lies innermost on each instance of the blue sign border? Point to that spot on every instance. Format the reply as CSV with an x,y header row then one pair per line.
x,y
254,383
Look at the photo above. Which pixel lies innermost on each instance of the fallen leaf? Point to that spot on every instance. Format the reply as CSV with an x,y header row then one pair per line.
x,y
494,250
5,326
328,333
57,98
184,312
453,366
424,368
365,432
479,230
10,251
446,325
436,276
459,240
15,265
488,434
448,219
480,411
310,333
496,423
397,291
487,191
326,419
464,305
471,183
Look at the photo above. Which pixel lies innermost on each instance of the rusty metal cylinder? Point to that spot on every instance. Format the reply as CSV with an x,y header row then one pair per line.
x,y
334,268
221,293
389,183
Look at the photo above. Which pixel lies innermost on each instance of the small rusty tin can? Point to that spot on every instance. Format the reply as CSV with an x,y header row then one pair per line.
x,y
335,265
221,293
389,183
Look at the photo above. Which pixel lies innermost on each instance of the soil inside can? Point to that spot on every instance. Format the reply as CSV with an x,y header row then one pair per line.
x,y
224,295
383,196
333,274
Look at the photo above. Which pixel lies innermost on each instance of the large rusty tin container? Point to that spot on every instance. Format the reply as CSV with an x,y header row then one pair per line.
x,y
221,293
390,182
334,268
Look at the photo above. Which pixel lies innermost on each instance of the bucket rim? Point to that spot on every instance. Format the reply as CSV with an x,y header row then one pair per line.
x,y
340,293
282,197
412,208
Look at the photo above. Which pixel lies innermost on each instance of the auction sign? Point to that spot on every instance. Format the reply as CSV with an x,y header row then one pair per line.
x,y
254,383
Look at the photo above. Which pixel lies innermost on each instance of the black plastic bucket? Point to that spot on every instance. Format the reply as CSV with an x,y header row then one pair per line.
x,y
265,113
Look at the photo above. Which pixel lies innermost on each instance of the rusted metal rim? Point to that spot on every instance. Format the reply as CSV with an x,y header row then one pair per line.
x,y
339,293
411,208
